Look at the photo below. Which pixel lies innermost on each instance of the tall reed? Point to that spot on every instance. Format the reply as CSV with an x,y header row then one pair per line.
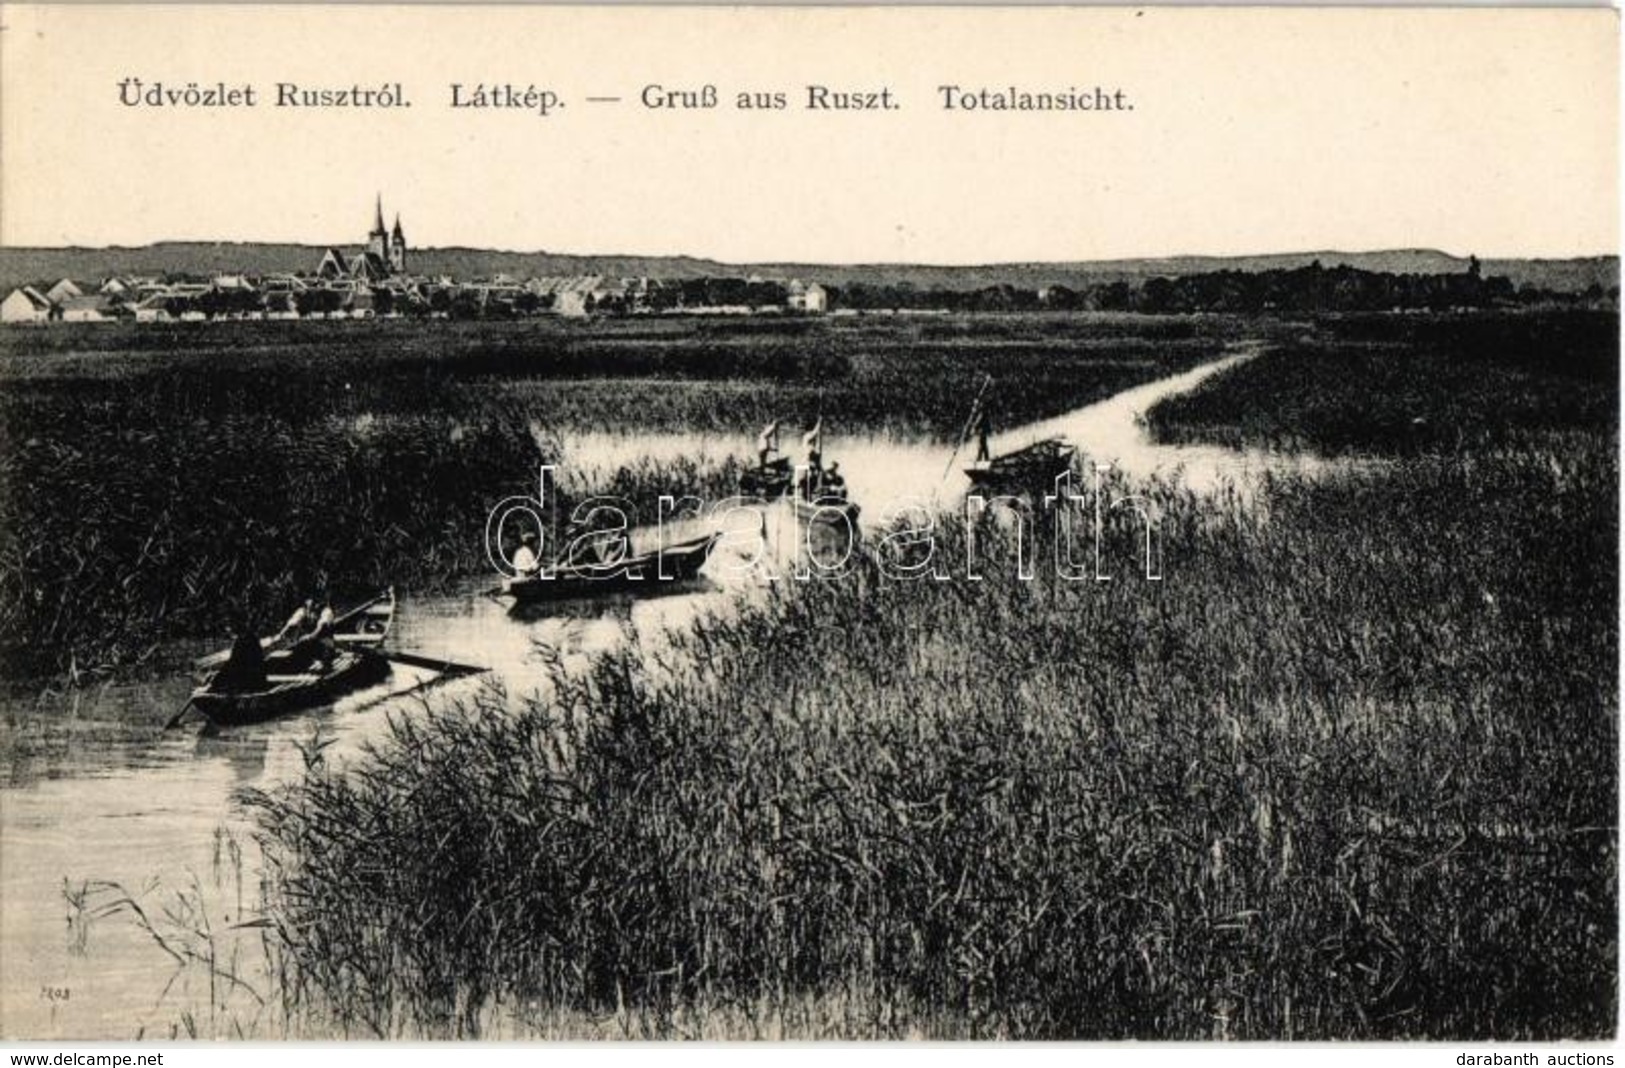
x,y
1329,777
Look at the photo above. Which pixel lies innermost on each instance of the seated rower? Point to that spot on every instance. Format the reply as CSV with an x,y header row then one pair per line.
x,y
833,484
525,560
244,669
296,622
317,647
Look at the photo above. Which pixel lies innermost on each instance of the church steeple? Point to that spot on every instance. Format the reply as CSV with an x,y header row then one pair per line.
x,y
397,248
378,239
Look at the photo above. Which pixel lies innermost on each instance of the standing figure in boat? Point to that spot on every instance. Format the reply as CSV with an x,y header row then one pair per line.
x,y
979,428
813,442
767,443
771,475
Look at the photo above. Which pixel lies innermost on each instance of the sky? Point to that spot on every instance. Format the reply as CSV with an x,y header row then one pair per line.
x,y
1493,131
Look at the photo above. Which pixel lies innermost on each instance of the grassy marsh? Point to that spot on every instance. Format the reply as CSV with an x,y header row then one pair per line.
x,y
1330,778
157,480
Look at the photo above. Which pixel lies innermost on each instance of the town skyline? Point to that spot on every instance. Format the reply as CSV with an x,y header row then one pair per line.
x,y
397,212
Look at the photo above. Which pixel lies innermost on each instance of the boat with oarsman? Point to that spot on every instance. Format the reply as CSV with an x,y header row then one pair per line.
x,y
1034,466
678,562
259,679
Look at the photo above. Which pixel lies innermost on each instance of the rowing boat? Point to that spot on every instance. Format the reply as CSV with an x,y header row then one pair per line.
x,y
290,692
826,508
364,627
1035,466
768,481
293,681
677,562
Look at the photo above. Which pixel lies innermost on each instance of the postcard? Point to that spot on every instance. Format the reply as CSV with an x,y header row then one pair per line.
x,y
808,523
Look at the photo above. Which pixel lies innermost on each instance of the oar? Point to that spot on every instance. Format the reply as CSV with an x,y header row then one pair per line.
x,y
175,720
970,420
445,667
215,659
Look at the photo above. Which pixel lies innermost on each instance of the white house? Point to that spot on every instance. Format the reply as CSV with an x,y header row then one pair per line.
x,y
155,309
25,305
804,297
96,309
63,291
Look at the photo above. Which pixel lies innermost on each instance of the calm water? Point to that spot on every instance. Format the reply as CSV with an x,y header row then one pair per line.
x,y
155,812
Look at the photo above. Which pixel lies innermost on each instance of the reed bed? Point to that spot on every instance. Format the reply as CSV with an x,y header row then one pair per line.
x,y
156,484
1346,771
1458,384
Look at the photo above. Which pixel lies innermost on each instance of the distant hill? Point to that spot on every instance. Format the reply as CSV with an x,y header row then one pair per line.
x,y
20,266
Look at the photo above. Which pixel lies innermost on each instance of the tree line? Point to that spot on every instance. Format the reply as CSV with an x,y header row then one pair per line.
x,y
1313,288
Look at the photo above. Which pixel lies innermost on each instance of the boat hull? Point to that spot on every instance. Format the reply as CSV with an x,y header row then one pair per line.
x,y
830,510
351,671
355,664
362,627
675,563
769,482
1036,467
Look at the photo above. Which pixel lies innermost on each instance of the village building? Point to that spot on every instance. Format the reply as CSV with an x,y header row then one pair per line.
x,y
26,305
375,281
333,265
385,254
64,290
92,309
804,297
158,308
282,283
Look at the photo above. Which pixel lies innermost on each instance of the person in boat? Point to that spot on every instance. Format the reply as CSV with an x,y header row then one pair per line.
x,y
767,443
297,622
810,483
244,669
525,561
833,484
813,442
979,428
318,647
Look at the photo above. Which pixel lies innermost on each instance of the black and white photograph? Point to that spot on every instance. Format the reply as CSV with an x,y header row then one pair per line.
x,y
809,524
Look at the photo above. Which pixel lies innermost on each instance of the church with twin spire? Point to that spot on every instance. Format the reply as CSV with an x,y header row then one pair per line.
x,y
384,256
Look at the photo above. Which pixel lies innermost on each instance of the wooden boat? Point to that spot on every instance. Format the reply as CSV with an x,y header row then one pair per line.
x,y
826,507
290,692
768,481
293,683
677,562
1033,467
362,627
